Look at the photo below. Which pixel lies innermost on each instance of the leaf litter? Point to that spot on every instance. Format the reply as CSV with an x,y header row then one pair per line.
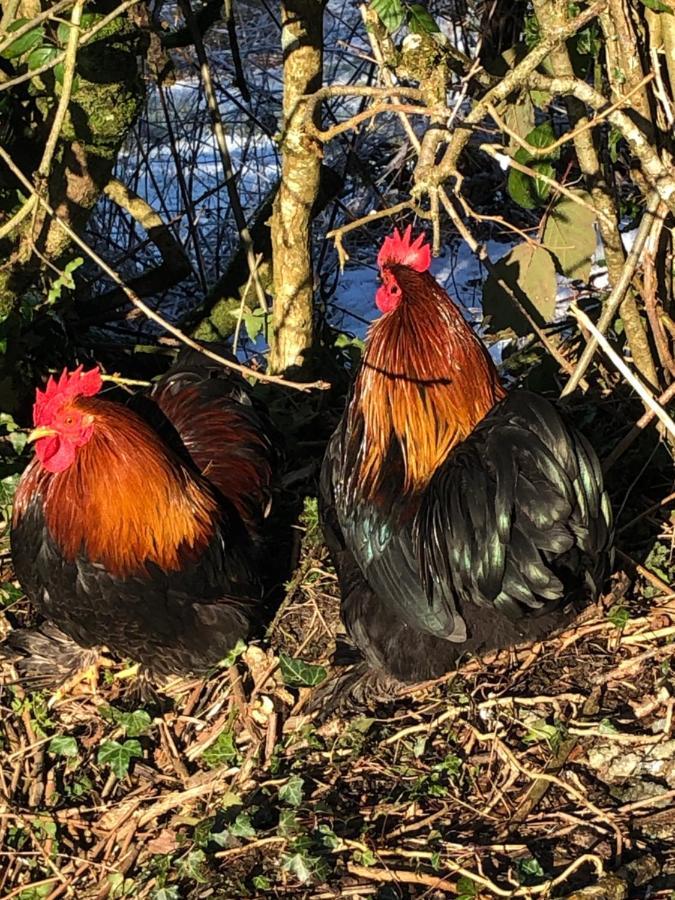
x,y
539,771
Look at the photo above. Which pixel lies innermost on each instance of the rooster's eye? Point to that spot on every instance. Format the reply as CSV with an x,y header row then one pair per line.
x,y
395,290
69,420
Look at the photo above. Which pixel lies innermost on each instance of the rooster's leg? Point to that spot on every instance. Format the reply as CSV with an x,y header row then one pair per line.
x,y
87,675
48,659
128,673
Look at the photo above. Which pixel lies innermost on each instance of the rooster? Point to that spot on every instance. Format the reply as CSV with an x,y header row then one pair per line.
x,y
144,533
459,517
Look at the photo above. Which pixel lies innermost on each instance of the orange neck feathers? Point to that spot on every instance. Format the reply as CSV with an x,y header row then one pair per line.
x,y
425,382
126,500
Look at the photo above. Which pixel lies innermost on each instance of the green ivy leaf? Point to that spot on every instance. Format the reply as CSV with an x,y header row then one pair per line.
x,y
254,322
118,756
222,751
529,869
420,20
329,839
229,799
165,893
288,823
65,279
299,865
541,99
297,673
193,867
35,893
527,190
467,889
7,421
541,137
133,724
588,41
63,745
234,654
291,792
241,827
9,593
120,886
86,22
59,74
391,13
26,42
570,236
541,731
529,271
40,56
18,440
606,726
364,857
618,615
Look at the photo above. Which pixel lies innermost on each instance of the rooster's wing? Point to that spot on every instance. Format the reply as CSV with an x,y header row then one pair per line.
x,y
516,517
513,522
228,437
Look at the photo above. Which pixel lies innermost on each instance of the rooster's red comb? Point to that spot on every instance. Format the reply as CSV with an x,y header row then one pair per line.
x,y
399,249
70,385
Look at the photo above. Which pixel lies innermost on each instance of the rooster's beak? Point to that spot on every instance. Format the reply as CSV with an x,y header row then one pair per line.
x,y
42,431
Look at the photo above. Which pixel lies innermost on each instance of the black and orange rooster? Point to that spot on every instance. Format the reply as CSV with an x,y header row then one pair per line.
x,y
145,538
459,517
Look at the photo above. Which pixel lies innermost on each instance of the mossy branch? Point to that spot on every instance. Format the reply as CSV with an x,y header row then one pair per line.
x,y
603,200
660,175
513,81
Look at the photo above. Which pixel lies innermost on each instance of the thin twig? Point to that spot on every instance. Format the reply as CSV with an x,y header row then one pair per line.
x,y
242,305
26,888
481,252
338,233
69,62
33,22
618,292
18,217
435,882
478,249
636,430
226,159
145,309
619,364
513,80
569,135
656,171
85,38
378,109
500,156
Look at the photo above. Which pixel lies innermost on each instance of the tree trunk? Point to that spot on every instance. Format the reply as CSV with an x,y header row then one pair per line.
x,y
292,319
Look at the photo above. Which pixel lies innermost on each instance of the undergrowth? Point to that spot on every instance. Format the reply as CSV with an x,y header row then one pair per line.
x,y
228,788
